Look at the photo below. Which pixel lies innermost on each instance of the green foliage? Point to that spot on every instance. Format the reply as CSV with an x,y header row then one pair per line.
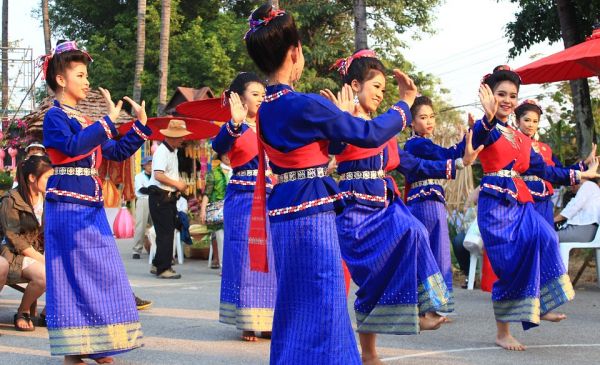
x,y
537,21
207,48
6,180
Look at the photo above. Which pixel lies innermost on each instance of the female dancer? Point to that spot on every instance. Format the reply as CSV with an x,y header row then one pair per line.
x,y
311,323
528,115
90,307
521,245
385,246
425,198
247,297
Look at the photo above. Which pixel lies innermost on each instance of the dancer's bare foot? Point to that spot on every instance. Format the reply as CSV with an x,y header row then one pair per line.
x,y
249,336
508,342
553,317
73,360
368,359
435,315
104,360
429,323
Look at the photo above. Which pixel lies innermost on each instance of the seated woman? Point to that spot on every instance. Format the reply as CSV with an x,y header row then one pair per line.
x,y
582,213
21,221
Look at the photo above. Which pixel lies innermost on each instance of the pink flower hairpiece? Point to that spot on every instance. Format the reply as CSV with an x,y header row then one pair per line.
x,y
343,64
61,48
255,24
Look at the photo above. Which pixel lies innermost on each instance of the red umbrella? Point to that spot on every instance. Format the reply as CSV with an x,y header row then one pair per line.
x,y
207,109
580,61
200,129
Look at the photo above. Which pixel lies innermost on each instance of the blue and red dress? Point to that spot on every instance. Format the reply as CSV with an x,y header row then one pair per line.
x,y
521,245
385,247
427,202
541,189
311,323
247,297
90,307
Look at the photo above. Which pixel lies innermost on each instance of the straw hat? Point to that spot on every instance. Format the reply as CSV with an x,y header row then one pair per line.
x,y
175,129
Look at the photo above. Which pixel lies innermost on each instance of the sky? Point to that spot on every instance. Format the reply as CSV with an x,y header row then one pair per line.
x,y
469,42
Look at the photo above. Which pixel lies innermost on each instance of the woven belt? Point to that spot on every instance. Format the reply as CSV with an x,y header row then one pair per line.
x,y
246,173
531,178
76,171
426,182
310,173
367,175
504,173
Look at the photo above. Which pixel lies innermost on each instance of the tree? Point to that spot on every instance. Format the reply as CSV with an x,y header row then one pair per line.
x,y
46,26
163,68
360,25
569,21
141,47
4,56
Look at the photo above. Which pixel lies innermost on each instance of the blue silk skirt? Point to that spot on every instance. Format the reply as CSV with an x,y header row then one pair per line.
x,y
90,307
546,209
247,297
387,252
523,251
311,323
433,215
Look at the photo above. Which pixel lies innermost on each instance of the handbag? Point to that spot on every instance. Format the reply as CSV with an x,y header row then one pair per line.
x,y
214,212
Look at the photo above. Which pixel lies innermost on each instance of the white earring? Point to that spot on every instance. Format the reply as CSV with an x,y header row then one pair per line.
x,y
356,99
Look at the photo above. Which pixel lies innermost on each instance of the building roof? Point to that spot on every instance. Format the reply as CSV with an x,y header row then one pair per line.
x,y
183,94
93,106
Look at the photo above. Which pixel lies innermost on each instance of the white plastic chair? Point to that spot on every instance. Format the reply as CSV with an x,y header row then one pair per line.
x,y
177,247
474,244
219,247
566,247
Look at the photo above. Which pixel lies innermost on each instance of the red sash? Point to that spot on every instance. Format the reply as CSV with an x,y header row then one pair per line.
x,y
500,153
352,153
244,149
306,156
59,158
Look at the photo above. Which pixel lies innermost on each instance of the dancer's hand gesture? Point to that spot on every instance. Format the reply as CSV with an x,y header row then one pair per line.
x,y
591,156
488,101
344,99
406,87
592,171
470,154
238,109
113,110
140,110
470,120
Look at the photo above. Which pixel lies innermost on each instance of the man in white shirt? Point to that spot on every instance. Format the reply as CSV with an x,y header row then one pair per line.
x,y
582,213
142,209
164,189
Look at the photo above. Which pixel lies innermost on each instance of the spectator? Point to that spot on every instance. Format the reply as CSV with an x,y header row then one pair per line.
x,y
21,221
164,189
3,272
582,213
142,209
462,253
35,148
214,194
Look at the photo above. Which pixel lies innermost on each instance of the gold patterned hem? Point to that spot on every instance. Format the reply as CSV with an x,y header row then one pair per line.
x,y
400,319
555,293
434,295
518,310
95,339
246,319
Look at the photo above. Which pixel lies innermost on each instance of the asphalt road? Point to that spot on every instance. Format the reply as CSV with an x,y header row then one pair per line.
x,y
182,328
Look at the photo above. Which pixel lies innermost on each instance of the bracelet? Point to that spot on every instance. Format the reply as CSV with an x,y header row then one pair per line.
x,y
459,163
